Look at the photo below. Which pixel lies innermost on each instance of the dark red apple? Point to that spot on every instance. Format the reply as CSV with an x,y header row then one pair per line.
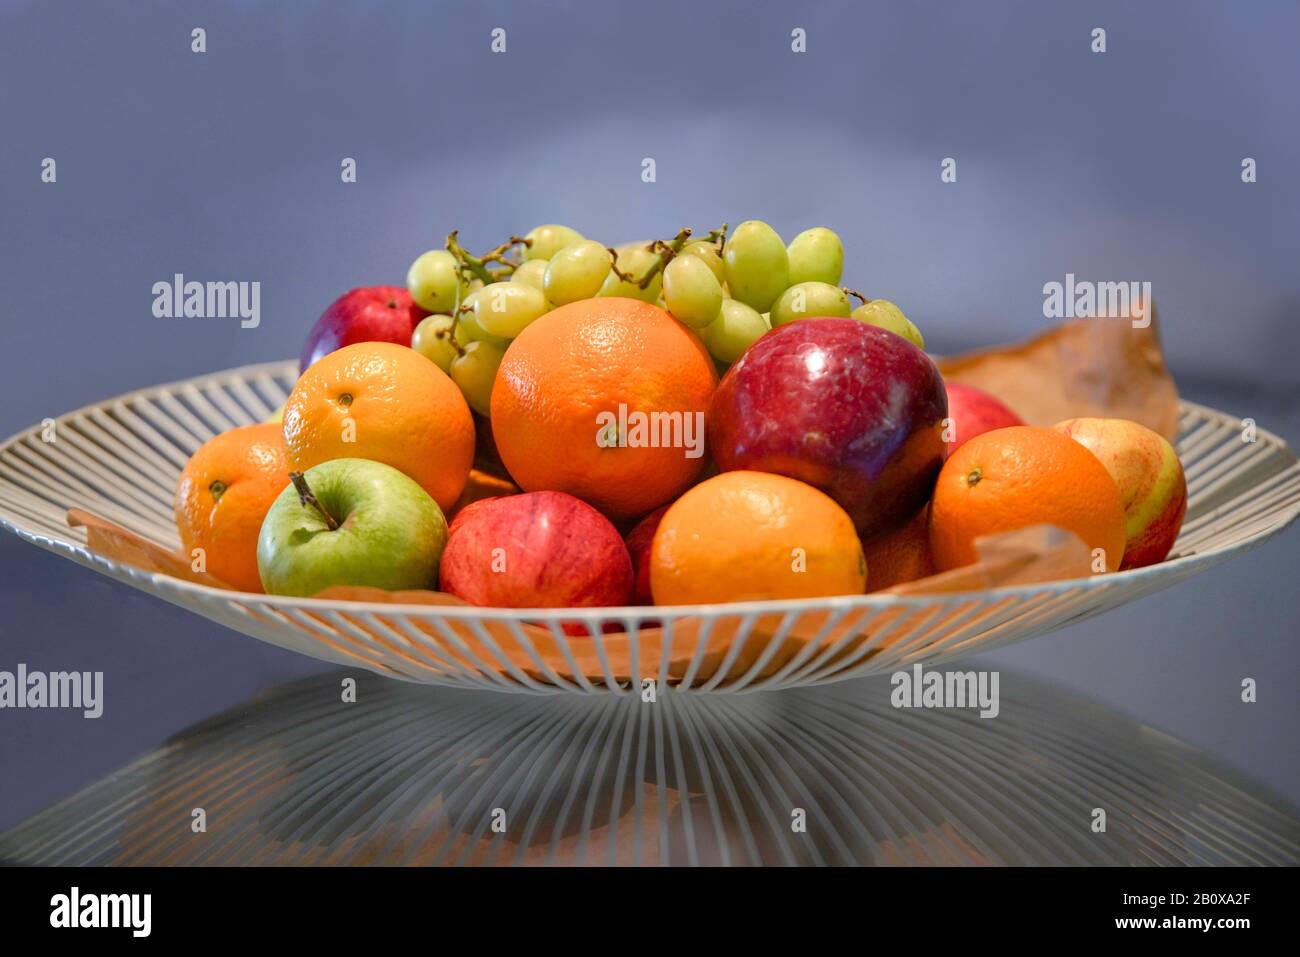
x,y
973,412
848,407
638,546
367,314
537,550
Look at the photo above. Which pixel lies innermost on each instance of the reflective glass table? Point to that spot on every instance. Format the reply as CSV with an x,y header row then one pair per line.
x,y
836,775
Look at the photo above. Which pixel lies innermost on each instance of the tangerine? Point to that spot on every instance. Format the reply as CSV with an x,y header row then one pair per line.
x,y
387,403
745,535
1019,476
225,490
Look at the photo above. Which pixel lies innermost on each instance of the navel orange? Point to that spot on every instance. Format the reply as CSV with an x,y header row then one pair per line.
x,y
388,403
1020,476
604,399
754,535
224,492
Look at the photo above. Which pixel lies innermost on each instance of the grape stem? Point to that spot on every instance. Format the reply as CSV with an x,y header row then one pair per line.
x,y
853,292
666,250
718,237
449,335
309,500
477,266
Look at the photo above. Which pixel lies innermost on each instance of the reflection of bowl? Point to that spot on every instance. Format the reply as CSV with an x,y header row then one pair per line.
x,y
412,775
121,458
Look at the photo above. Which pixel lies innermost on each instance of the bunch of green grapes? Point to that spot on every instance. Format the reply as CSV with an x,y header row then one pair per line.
x,y
733,295
729,289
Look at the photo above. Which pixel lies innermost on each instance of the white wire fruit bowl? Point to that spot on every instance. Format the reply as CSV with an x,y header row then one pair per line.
x,y
121,460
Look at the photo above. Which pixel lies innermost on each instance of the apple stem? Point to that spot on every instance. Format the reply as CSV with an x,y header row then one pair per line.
x,y
308,498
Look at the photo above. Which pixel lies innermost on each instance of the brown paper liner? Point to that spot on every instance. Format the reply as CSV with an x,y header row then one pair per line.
x,y
1106,368
113,541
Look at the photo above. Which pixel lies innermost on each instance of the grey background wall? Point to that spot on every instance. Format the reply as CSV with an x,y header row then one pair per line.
x,y
225,166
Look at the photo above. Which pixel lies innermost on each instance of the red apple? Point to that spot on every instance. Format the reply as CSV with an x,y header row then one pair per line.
x,y
536,550
973,412
1150,478
459,517
367,314
845,406
638,546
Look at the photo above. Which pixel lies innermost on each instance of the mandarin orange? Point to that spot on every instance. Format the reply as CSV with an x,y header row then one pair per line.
x,y
1020,476
224,492
388,403
754,535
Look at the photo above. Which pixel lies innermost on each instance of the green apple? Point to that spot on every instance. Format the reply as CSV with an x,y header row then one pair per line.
x,y
350,522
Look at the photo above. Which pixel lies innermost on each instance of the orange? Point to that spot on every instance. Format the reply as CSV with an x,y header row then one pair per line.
x,y
604,399
481,485
388,403
1020,476
225,490
743,536
901,554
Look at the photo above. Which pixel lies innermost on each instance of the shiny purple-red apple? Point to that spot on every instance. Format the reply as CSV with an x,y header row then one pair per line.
x,y
848,407
367,314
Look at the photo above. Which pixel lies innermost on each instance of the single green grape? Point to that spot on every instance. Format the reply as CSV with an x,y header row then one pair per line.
x,y
506,308
634,259
737,327
691,291
576,272
816,255
809,299
531,273
886,315
467,328
475,372
435,339
708,254
435,282
758,268
548,240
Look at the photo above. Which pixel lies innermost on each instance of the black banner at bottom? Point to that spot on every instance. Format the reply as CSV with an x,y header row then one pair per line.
x,y
335,906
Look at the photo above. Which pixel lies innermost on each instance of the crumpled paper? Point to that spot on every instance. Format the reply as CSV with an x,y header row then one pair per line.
x,y
1108,368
